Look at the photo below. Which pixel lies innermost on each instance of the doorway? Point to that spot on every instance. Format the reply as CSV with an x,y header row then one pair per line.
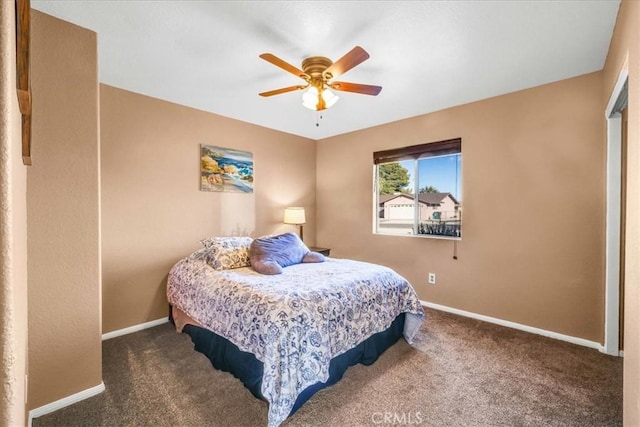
x,y
623,222
615,219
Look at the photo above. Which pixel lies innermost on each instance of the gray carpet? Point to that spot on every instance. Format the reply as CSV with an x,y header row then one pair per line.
x,y
462,372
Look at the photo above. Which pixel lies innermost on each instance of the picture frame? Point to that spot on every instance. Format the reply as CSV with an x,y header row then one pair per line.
x,y
225,169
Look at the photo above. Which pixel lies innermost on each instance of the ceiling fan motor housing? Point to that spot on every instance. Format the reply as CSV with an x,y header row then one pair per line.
x,y
314,67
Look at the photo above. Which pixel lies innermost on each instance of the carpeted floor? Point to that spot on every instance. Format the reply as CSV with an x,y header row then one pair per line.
x,y
461,372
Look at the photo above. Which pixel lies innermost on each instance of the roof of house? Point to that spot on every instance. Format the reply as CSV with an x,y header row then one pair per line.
x,y
427,198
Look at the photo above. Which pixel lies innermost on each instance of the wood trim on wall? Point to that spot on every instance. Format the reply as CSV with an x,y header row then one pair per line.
x,y
23,78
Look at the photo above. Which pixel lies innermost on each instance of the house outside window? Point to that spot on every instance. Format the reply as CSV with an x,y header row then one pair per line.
x,y
432,172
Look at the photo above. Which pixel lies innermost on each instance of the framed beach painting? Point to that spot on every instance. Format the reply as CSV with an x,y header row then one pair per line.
x,y
225,169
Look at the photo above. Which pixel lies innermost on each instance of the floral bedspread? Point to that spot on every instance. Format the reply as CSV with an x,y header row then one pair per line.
x,y
295,322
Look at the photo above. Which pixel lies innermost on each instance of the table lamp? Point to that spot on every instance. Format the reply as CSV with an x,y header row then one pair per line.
x,y
295,216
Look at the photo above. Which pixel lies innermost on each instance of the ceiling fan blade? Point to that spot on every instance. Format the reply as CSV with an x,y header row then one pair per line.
x,y
282,90
356,87
284,65
355,56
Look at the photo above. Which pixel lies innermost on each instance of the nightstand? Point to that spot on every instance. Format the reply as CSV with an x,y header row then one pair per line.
x,y
323,251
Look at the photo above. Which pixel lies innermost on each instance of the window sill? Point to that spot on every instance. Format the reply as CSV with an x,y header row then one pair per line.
x,y
420,236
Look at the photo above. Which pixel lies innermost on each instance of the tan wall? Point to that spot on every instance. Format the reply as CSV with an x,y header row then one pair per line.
x,y
13,235
153,212
533,169
625,45
63,186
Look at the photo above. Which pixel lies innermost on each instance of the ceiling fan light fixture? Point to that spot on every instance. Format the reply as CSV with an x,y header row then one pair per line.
x,y
330,98
311,100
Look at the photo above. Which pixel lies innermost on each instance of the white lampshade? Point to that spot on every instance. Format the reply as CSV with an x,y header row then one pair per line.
x,y
310,98
330,98
294,215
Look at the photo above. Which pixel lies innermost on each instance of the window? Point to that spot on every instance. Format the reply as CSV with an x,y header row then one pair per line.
x,y
430,171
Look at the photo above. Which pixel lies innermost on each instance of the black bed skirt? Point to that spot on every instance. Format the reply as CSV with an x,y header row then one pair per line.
x,y
227,357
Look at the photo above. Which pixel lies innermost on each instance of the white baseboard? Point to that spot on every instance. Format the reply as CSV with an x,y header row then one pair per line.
x,y
65,401
134,328
513,325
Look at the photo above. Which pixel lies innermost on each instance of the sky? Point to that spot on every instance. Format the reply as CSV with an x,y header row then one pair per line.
x,y
439,172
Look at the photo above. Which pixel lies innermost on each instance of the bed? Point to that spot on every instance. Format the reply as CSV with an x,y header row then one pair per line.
x,y
288,335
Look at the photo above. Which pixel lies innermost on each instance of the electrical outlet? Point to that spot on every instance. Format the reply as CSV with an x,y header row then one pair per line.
x,y
432,278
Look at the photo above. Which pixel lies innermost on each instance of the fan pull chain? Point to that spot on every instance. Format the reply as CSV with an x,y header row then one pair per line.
x,y
318,118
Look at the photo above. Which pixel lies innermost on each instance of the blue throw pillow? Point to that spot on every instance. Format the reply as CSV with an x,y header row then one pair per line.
x,y
269,255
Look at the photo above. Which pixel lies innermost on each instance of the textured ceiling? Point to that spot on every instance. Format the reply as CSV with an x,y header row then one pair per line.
x,y
426,55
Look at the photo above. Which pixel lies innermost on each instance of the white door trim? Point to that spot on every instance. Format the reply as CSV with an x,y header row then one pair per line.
x,y
612,260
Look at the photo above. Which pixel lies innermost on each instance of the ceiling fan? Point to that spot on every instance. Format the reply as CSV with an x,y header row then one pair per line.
x,y
318,73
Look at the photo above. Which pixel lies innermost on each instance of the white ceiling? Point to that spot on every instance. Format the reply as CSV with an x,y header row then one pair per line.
x,y
427,55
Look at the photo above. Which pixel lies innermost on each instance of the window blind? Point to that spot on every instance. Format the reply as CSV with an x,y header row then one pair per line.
x,y
432,149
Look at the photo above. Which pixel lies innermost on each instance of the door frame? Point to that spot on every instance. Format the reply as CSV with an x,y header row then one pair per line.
x,y
613,212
